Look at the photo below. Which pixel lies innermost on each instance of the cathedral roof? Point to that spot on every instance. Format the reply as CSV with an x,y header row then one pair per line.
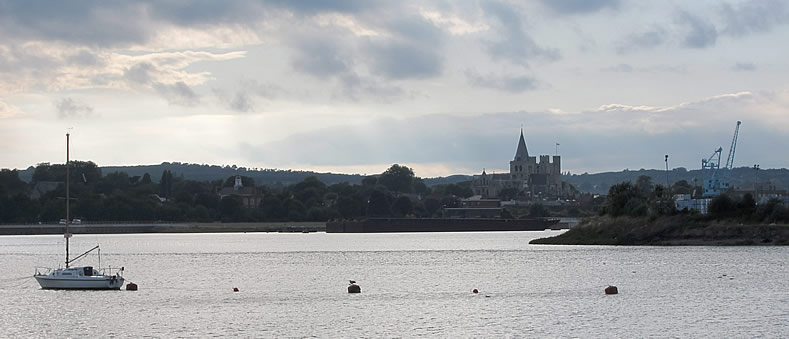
x,y
522,153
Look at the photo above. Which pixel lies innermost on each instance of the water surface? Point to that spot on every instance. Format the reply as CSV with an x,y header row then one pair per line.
x,y
413,285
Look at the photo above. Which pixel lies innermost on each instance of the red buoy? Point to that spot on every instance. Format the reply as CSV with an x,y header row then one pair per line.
x,y
475,290
611,289
235,289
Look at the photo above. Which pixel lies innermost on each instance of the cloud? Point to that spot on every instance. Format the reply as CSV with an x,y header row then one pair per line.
x,y
321,56
755,16
630,135
743,67
413,51
177,94
644,40
580,6
69,108
240,101
512,84
515,45
625,68
699,33
8,111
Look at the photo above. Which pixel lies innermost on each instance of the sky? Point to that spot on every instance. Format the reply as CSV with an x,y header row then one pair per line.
x,y
354,86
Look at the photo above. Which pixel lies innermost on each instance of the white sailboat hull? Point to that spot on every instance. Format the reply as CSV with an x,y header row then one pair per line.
x,y
56,280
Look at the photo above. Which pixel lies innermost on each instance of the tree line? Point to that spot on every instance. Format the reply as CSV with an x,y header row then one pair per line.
x,y
643,199
117,196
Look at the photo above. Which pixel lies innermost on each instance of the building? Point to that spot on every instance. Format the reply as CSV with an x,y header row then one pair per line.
x,y
475,208
251,197
527,175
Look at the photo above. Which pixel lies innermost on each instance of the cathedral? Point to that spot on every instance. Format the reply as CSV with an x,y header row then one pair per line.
x,y
527,175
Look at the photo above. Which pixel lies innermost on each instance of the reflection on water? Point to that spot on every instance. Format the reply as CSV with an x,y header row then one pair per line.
x,y
414,284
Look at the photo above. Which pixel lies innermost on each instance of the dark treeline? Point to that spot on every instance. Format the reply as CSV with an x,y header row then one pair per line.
x,y
118,196
643,199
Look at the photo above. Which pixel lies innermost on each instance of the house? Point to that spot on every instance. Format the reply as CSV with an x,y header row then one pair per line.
x,y
251,197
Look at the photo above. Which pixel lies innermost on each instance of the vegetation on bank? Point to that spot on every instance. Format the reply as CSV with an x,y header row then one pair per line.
x,y
645,214
117,196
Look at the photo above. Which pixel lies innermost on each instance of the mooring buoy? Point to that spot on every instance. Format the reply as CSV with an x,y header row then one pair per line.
x,y
475,291
131,286
235,289
353,288
611,289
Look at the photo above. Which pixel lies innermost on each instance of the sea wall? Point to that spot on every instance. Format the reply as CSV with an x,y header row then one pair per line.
x,y
100,228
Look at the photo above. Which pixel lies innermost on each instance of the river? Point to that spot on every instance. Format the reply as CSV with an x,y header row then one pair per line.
x,y
413,285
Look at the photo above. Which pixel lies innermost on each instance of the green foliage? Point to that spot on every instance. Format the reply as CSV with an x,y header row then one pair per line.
x,y
402,206
397,178
538,211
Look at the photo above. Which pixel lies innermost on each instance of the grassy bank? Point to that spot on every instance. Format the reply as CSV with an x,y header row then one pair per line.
x,y
668,230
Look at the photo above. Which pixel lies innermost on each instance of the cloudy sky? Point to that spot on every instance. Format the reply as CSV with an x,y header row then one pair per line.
x,y
355,86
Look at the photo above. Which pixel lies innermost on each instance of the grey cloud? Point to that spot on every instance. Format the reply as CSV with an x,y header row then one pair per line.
x,y
94,23
743,67
317,6
85,58
321,56
512,84
240,101
625,68
754,16
177,94
644,40
580,6
69,108
405,60
515,45
699,32
354,87
140,73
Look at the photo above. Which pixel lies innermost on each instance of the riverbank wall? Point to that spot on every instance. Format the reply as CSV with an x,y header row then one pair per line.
x,y
120,228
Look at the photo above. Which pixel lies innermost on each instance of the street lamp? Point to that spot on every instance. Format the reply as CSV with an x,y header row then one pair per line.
x,y
756,185
667,187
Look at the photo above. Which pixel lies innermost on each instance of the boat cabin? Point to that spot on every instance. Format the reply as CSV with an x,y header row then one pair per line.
x,y
86,271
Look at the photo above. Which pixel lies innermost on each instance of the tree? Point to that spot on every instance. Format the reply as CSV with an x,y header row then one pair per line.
x,y
166,184
538,211
624,199
378,204
230,208
644,185
721,206
397,178
402,206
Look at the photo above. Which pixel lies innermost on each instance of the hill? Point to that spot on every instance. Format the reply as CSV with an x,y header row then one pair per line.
x,y
267,177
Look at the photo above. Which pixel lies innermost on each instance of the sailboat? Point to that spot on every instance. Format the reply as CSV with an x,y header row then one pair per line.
x,y
78,277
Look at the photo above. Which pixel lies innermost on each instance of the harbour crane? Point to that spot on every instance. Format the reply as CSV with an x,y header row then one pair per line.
x,y
715,183
730,160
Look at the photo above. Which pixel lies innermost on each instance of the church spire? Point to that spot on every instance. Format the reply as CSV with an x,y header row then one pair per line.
x,y
522,153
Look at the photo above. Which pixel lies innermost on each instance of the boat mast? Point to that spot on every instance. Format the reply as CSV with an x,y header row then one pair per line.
x,y
68,216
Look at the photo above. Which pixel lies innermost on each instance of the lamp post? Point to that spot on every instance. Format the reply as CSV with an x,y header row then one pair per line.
x,y
667,186
756,185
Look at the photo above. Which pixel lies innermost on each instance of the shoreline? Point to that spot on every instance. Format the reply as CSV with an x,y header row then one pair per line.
x,y
124,228
669,231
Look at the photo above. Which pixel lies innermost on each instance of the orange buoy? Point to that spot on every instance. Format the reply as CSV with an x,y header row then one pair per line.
x,y
235,289
611,289
475,291
131,286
